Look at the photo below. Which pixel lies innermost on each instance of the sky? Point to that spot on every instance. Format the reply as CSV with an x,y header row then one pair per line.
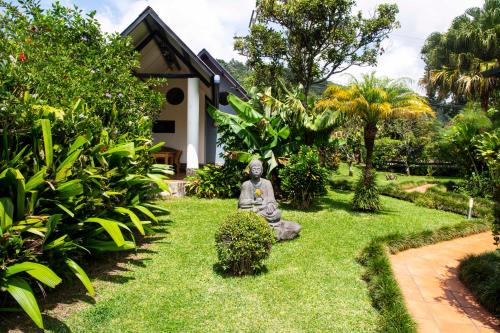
x,y
212,24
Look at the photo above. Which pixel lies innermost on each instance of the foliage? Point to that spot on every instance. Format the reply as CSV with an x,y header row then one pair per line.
x,y
66,48
366,194
76,170
213,181
303,178
456,59
370,100
477,186
488,148
458,139
481,275
238,70
312,39
383,288
255,131
386,150
243,241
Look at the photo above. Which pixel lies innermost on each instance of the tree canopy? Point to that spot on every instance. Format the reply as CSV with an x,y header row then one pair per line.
x,y
313,39
456,59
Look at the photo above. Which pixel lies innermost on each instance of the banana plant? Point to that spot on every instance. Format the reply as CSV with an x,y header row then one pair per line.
x,y
261,129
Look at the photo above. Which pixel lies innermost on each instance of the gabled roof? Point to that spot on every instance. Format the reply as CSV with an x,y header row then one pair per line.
x,y
205,56
148,26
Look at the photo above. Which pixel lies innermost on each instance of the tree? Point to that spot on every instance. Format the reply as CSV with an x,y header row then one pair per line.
x,y
239,70
371,100
312,40
456,59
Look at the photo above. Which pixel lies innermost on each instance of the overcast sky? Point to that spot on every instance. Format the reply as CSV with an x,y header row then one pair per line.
x,y
212,24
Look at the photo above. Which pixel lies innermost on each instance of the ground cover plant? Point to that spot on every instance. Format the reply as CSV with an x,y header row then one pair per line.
x,y
481,274
314,279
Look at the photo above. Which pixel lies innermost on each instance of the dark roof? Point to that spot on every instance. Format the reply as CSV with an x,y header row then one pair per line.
x,y
492,72
148,26
205,56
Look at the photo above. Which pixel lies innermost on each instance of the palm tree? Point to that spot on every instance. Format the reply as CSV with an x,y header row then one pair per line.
x,y
371,100
456,59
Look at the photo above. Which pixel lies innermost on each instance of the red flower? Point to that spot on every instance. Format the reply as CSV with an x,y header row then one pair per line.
x,y
103,149
22,57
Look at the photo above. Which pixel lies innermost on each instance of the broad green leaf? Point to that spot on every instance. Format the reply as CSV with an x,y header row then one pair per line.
x,y
47,142
123,150
109,246
70,189
18,156
156,207
244,110
6,214
22,293
64,169
52,223
146,212
77,144
38,271
81,275
157,147
111,227
65,209
55,243
36,180
284,132
135,220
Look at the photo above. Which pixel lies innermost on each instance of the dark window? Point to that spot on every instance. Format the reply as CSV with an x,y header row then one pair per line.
x,y
223,97
175,96
164,126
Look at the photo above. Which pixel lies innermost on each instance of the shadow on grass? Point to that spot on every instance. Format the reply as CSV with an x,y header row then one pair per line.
x,y
219,270
71,296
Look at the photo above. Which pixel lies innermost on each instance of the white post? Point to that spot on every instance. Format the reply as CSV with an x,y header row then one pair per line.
x,y
471,205
193,124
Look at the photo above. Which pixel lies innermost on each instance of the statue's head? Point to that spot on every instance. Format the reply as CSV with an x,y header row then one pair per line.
x,y
256,168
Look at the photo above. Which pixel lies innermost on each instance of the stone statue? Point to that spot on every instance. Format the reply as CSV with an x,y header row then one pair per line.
x,y
257,195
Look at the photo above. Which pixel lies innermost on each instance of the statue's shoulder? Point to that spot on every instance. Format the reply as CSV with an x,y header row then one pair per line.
x,y
246,184
266,182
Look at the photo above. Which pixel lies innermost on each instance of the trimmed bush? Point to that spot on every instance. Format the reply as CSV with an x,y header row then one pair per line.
x,y
481,274
243,242
214,181
303,179
366,195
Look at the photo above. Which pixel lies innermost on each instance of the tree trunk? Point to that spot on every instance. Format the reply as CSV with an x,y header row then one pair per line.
x,y
485,98
496,215
370,133
350,167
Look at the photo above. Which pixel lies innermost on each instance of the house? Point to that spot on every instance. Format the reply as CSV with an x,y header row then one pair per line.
x,y
193,82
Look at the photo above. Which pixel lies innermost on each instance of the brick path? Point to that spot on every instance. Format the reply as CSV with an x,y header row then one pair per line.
x,y
434,295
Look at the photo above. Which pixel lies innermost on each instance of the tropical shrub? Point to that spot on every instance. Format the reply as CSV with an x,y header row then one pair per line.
x,y
243,241
76,171
303,178
386,150
213,181
366,194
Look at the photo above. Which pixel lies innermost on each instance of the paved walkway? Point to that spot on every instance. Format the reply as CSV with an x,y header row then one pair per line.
x,y
434,295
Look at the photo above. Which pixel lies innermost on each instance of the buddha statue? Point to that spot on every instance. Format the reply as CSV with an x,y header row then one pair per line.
x,y
257,195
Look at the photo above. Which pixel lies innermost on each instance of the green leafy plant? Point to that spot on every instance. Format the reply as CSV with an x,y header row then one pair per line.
x,y
366,194
303,178
214,181
243,241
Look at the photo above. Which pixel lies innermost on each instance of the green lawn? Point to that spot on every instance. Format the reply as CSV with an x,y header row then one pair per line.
x,y
343,175
313,283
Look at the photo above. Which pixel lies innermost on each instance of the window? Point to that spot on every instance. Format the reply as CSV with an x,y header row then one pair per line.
x,y
223,98
164,126
175,96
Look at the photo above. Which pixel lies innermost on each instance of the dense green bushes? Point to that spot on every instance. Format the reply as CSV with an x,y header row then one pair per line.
x,y
213,181
481,274
243,241
76,170
303,178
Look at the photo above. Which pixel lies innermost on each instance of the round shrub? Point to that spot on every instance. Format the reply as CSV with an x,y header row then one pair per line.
x,y
242,242
303,179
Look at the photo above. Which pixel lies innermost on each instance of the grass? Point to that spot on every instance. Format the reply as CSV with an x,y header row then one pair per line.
x,y
481,274
313,283
342,175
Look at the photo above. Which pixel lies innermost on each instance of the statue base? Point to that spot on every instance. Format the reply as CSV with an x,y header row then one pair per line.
x,y
285,230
